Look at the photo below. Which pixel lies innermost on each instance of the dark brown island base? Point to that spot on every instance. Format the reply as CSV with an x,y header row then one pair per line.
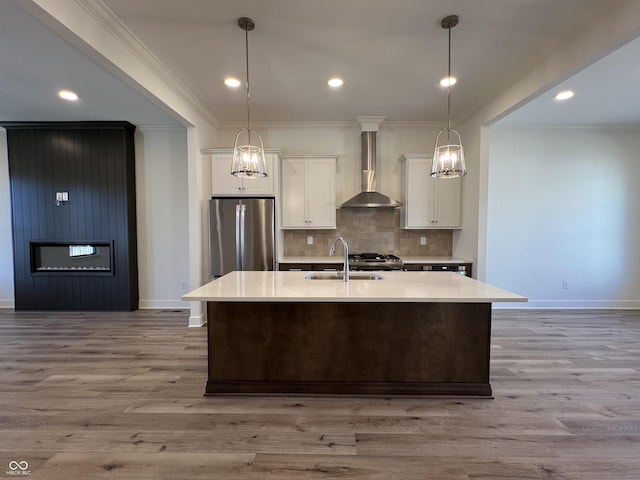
x,y
418,334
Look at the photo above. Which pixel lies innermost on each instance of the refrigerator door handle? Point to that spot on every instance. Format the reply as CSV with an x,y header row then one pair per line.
x,y
243,256
239,228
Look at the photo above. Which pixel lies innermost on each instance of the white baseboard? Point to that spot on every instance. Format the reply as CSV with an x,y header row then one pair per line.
x,y
163,304
570,304
197,320
7,303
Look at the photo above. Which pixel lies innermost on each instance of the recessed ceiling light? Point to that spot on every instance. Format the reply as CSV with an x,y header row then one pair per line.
x,y
232,82
68,95
564,95
448,81
335,82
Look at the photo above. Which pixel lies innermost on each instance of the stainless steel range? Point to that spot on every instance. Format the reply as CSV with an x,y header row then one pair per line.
x,y
374,261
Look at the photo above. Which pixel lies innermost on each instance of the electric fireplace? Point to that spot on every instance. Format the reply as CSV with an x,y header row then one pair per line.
x,y
74,258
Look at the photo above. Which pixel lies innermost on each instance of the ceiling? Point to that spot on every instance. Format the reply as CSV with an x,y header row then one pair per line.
x,y
606,93
35,63
391,55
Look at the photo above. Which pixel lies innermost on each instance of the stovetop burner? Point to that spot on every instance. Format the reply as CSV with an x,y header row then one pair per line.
x,y
374,261
369,257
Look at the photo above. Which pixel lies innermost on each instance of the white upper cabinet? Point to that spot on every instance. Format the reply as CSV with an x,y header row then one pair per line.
x,y
308,192
427,202
223,183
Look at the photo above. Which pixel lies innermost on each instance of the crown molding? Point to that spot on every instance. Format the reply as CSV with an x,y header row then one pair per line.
x,y
258,125
229,151
416,124
348,124
161,128
125,37
528,127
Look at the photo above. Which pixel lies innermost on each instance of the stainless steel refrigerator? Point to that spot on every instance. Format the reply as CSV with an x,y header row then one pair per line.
x,y
241,234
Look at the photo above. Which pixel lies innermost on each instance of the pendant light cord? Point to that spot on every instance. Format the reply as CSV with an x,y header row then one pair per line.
x,y
248,159
449,86
448,158
246,44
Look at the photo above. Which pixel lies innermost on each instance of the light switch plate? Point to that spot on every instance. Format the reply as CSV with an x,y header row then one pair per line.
x,y
309,240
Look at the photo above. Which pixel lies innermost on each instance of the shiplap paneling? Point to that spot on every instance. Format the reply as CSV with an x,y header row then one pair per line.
x,y
94,162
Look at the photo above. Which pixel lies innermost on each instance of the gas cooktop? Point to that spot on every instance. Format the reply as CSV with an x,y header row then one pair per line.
x,y
374,261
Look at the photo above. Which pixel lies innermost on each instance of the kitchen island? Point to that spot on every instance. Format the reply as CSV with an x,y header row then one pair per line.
x,y
410,333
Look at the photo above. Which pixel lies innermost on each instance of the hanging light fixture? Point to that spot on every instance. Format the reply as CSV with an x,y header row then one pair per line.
x,y
448,155
248,160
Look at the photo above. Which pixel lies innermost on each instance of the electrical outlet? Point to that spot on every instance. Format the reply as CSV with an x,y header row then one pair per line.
x,y
309,240
565,285
58,196
65,196
423,240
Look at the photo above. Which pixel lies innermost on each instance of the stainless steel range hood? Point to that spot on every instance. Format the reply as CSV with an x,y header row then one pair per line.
x,y
369,197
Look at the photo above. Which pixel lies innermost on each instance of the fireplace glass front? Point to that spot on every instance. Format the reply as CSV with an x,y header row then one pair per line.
x,y
76,257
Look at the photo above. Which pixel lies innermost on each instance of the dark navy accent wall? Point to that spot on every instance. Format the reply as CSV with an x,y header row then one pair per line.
x,y
95,163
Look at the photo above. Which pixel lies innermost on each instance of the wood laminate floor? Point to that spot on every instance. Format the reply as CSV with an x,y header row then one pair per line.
x,y
119,396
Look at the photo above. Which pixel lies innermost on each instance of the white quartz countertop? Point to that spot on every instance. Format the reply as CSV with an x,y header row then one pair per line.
x,y
405,259
395,287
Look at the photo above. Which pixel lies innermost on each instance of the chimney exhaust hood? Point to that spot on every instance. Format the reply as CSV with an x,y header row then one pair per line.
x,y
369,197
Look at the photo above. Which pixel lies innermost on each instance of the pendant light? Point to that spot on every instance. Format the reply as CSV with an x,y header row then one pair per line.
x,y
248,160
448,155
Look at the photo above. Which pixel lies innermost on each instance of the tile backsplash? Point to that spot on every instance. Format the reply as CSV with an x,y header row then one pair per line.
x,y
369,230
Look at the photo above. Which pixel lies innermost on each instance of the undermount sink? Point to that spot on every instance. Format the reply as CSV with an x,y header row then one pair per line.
x,y
340,276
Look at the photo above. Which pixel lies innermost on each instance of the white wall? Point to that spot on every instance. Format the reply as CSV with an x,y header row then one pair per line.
x,y
465,240
6,244
162,216
564,206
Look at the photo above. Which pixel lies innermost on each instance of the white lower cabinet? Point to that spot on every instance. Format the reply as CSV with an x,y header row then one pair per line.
x,y
308,192
223,183
427,202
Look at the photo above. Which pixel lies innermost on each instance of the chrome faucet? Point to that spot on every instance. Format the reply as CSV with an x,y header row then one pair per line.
x,y
345,247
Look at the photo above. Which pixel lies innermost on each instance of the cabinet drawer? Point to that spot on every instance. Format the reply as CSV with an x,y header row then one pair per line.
x,y
309,267
439,267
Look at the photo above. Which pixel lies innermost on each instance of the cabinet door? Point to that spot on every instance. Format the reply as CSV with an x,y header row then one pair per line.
x,y
321,194
308,193
294,178
428,202
223,183
446,202
261,185
418,206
